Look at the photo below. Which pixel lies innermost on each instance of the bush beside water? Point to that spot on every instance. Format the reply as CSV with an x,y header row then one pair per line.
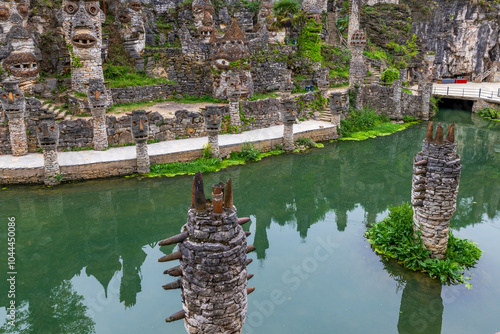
x,y
394,237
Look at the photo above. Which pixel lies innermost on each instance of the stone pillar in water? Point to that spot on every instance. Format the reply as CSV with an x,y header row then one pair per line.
x,y
289,115
357,70
140,132
98,102
213,263
213,120
48,137
436,175
234,95
14,106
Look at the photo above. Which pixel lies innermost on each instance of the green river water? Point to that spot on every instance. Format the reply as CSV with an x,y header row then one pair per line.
x,y
86,253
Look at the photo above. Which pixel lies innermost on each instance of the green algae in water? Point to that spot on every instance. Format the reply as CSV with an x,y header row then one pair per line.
x,y
380,130
394,237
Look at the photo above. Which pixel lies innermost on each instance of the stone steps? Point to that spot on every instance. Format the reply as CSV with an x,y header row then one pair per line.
x,y
326,116
331,24
52,107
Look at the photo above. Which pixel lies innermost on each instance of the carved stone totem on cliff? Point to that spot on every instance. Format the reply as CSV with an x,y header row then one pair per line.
x,y
48,137
98,102
231,54
14,106
17,56
357,70
436,175
338,107
213,263
289,112
323,81
133,31
286,84
213,119
314,6
140,132
81,22
203,12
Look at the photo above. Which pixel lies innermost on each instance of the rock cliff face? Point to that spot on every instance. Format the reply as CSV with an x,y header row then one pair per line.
x,y
464,35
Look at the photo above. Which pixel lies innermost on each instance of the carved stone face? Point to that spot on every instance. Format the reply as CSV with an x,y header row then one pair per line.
x,y
140,126
322,78
233,87
12,14
286,84
132,27
213,117
200,9
47,130
97,94
13,101
289,111
336,103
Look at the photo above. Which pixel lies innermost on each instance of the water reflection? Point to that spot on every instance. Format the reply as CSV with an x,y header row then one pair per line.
x,y
102,228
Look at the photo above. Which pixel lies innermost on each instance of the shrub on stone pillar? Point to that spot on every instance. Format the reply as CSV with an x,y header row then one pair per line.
x,y
98,102
14,106
213,263
436,176
289,112
213,119
140,132
47,132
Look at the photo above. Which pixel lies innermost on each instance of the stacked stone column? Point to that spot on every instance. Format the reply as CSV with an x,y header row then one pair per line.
x,y
357,70
286,84
140,132
234,95
213,120
48,138
212,255
354,18
323,81
14,106
337,107
436,176
396,95
426,84
98,102
289,114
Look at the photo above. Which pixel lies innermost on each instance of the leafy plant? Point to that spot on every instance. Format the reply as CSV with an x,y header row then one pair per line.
x,y
390,74
208,151
248,152
489,113
307,142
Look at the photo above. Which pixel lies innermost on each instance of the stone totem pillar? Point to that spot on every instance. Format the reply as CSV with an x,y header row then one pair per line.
x,y
48,137
289,115
357,70
234,95
82,28
354,18
337,107
213,263
323,81
140,132
436,175
286,84
14,105
213,120
426,84
98,101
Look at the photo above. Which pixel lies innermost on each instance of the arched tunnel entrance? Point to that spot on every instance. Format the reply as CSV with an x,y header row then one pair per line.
x,y
450,103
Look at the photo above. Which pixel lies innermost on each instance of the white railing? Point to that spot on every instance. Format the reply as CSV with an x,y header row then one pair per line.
x,y
467,92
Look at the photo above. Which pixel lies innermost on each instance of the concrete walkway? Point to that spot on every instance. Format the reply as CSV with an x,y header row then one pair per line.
x,y
79,158
470,90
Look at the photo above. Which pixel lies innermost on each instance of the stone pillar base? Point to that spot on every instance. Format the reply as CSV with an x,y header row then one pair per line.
x,y
51,166
234,112
288,144
100,130
18,138
142,156
213,140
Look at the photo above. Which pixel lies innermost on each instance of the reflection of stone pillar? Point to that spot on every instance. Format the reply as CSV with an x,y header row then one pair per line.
x,y
354,17
213,120
48,137
436,175
289,114
14,105
357,70
212,254
98,101
140,132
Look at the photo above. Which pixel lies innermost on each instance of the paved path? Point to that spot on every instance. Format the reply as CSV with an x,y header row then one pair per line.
x,y
34,160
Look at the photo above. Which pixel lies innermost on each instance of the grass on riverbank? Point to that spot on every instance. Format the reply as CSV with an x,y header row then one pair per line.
x,y
367,123
394,237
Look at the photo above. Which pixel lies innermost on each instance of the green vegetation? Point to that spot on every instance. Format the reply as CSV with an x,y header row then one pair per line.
x,y
125,76
282,8
309,41
383,129
390,74
307,143
394,237
80,95
208,151
337,60
490,113
253,6
259,96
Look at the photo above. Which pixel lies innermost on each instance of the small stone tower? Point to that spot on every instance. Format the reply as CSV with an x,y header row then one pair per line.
x,y
234,95
98,102
14,106
436,175
140,132
338,107
289,111
213,263
357,70
286,84
47,133
354,18
323,81
213,118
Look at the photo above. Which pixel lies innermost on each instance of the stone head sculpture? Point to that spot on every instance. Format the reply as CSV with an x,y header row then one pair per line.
x,y
12,13
140,125
289,111
322,79
336,103
285,77
21,63
97,94
213,117
231,54
13,101
47,130
81,21
233,87
132,27
202,10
